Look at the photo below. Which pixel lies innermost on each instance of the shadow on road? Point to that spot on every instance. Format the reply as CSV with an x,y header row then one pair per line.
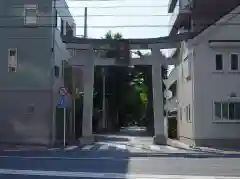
x,y
71,161
110,160
115,162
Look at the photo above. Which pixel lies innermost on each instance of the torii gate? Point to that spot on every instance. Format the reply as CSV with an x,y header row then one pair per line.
x,y
156,59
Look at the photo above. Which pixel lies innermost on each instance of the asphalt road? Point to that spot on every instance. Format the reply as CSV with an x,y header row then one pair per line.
x,y
112,162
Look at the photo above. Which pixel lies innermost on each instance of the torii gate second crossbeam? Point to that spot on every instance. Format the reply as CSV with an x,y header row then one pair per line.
x,y
156,59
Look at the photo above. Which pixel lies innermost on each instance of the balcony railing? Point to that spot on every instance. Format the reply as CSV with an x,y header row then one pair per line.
x,y
182,8
171,5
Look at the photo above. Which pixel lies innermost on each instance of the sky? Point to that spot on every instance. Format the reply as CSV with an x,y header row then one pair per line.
x,y
157,7
146,10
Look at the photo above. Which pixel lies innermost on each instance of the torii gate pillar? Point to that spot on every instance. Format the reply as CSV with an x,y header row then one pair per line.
x,y
88,80
159,132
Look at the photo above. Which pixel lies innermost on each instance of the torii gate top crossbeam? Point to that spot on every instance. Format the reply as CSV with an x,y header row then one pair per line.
x,y
164,42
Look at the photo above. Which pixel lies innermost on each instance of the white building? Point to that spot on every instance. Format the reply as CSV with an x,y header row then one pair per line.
x,y
207,79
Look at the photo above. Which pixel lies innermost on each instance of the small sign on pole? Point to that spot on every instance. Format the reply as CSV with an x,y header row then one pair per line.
x,y
62,92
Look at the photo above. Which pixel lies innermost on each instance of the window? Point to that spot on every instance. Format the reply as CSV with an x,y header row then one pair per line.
x,y
234,62
62,27
180,114
64,64
56,71
219,62
58,21
12,60
226,111
69,30
187,113
30,14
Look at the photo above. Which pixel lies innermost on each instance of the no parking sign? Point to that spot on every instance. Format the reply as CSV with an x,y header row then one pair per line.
x,y
62,91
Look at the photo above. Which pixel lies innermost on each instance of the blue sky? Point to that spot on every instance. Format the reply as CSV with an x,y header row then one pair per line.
x,y
77,10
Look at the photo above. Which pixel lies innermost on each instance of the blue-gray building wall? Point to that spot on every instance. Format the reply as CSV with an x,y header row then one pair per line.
x,y
28,96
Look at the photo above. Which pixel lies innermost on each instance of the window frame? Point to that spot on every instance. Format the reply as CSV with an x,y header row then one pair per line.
x,y
63,68
189,114
30,7
230,62
223,120
215,62
180,113
58,20
56,70
62,31
9,56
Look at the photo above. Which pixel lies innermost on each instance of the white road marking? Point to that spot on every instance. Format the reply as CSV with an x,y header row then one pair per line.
x,y
71,148
104,147
171,148
87,147
123,147
133,138
155,147
54,149
104,175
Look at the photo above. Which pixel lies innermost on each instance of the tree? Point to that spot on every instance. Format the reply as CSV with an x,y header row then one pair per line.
x,y
113,36
129,89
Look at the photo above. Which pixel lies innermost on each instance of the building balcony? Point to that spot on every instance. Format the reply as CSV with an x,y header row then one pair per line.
x,y
171,5
172,78
180,16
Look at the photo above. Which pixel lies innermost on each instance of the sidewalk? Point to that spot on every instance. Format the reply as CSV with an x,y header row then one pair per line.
x,y
181,145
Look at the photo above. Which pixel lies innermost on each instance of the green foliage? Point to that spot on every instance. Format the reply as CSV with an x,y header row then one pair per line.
x,y
130,88
140,87
113,36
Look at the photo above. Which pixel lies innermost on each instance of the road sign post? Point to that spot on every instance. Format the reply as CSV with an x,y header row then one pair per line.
x,y
64,127
63,92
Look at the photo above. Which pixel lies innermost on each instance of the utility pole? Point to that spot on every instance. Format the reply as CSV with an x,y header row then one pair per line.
x,y
85,22
104,100
52,79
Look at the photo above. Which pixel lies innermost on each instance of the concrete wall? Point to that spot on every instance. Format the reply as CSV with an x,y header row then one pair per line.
x,y
29,95
26,94
210,86
185,96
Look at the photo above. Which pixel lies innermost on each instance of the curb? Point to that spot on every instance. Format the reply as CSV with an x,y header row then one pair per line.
x,y
180,146
23,149
198,149
196,155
